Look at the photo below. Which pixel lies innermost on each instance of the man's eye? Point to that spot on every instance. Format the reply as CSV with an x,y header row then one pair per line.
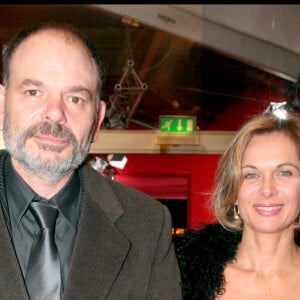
x,y
77,100
32,93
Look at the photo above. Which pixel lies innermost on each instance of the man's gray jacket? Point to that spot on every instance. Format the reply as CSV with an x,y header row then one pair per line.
x,y
123,249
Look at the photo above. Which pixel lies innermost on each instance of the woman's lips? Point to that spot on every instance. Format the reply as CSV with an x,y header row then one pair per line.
x,y
268,210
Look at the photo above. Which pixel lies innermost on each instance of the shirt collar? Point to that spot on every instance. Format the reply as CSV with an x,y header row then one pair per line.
x,y
68,199
19,196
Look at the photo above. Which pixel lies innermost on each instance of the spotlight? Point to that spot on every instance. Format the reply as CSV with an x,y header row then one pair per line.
x,y
98,164
279,109
117,160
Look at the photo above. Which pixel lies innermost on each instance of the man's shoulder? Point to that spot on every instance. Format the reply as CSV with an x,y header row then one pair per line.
x,y
3,153
126,205
126,195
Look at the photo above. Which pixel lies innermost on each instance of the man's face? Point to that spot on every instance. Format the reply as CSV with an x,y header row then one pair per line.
x,y
50,104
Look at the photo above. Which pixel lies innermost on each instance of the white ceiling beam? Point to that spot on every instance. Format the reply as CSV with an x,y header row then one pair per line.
x,y
261,35
152,142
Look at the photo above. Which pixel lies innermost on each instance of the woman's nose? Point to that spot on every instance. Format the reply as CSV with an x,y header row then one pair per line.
x,y
268,186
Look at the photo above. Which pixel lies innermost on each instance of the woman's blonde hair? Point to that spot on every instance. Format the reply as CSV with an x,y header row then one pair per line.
x,y
228,177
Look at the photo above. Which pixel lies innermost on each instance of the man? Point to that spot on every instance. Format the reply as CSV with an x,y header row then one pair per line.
x,y
111,242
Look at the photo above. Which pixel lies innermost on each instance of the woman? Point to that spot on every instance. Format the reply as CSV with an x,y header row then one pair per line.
x,y
252,252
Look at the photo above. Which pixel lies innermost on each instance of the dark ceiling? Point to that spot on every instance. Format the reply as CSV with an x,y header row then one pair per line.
x,y
151,73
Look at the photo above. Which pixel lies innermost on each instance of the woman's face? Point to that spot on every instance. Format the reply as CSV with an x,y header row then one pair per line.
x,y
269,197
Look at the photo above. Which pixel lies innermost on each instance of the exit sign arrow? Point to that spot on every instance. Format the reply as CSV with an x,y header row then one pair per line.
x,y
177,124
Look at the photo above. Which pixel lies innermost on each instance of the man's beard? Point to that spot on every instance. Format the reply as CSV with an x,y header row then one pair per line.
x,y
40,166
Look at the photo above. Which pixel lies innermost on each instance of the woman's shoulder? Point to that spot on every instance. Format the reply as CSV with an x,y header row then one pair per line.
x,y
297,237
202,255
210,240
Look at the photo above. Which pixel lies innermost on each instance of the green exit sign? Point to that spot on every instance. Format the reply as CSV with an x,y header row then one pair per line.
x,y
177,124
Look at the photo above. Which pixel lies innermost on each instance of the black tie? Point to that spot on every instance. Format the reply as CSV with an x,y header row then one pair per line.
x,y
43,278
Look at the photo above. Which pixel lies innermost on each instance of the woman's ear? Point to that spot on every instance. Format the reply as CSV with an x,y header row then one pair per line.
x,y
100,117
2,104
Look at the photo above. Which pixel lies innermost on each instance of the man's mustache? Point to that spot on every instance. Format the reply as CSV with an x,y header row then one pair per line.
x,y
52,129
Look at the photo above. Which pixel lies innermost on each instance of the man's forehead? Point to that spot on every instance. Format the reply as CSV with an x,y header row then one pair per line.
x,y
53,33
44,39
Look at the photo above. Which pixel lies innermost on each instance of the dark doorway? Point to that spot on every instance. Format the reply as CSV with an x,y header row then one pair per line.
x,y
178,209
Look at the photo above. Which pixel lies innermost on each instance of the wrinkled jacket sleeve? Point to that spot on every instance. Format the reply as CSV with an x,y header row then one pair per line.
x,y
165,283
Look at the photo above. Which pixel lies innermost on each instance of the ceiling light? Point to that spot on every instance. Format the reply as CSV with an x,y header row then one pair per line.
x,y
278,109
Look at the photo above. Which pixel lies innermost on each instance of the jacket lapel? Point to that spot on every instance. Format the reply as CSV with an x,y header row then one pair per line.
x,y
100,248
99,252
12,285
11,280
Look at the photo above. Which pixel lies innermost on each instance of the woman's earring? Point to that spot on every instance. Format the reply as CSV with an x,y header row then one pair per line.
x,y
236,213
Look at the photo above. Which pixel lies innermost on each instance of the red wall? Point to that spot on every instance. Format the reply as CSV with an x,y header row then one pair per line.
x,y
174,176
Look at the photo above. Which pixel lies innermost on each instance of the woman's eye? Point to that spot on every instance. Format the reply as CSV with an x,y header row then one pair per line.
x,y
250,175
285,173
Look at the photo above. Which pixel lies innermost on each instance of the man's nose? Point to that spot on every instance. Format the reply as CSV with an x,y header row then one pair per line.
x,y
55,110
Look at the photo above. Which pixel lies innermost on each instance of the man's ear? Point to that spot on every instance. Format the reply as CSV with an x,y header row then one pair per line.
x,y
100,117
2,104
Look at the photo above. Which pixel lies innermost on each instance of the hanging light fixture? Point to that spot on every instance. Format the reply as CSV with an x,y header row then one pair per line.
x,y
281,109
